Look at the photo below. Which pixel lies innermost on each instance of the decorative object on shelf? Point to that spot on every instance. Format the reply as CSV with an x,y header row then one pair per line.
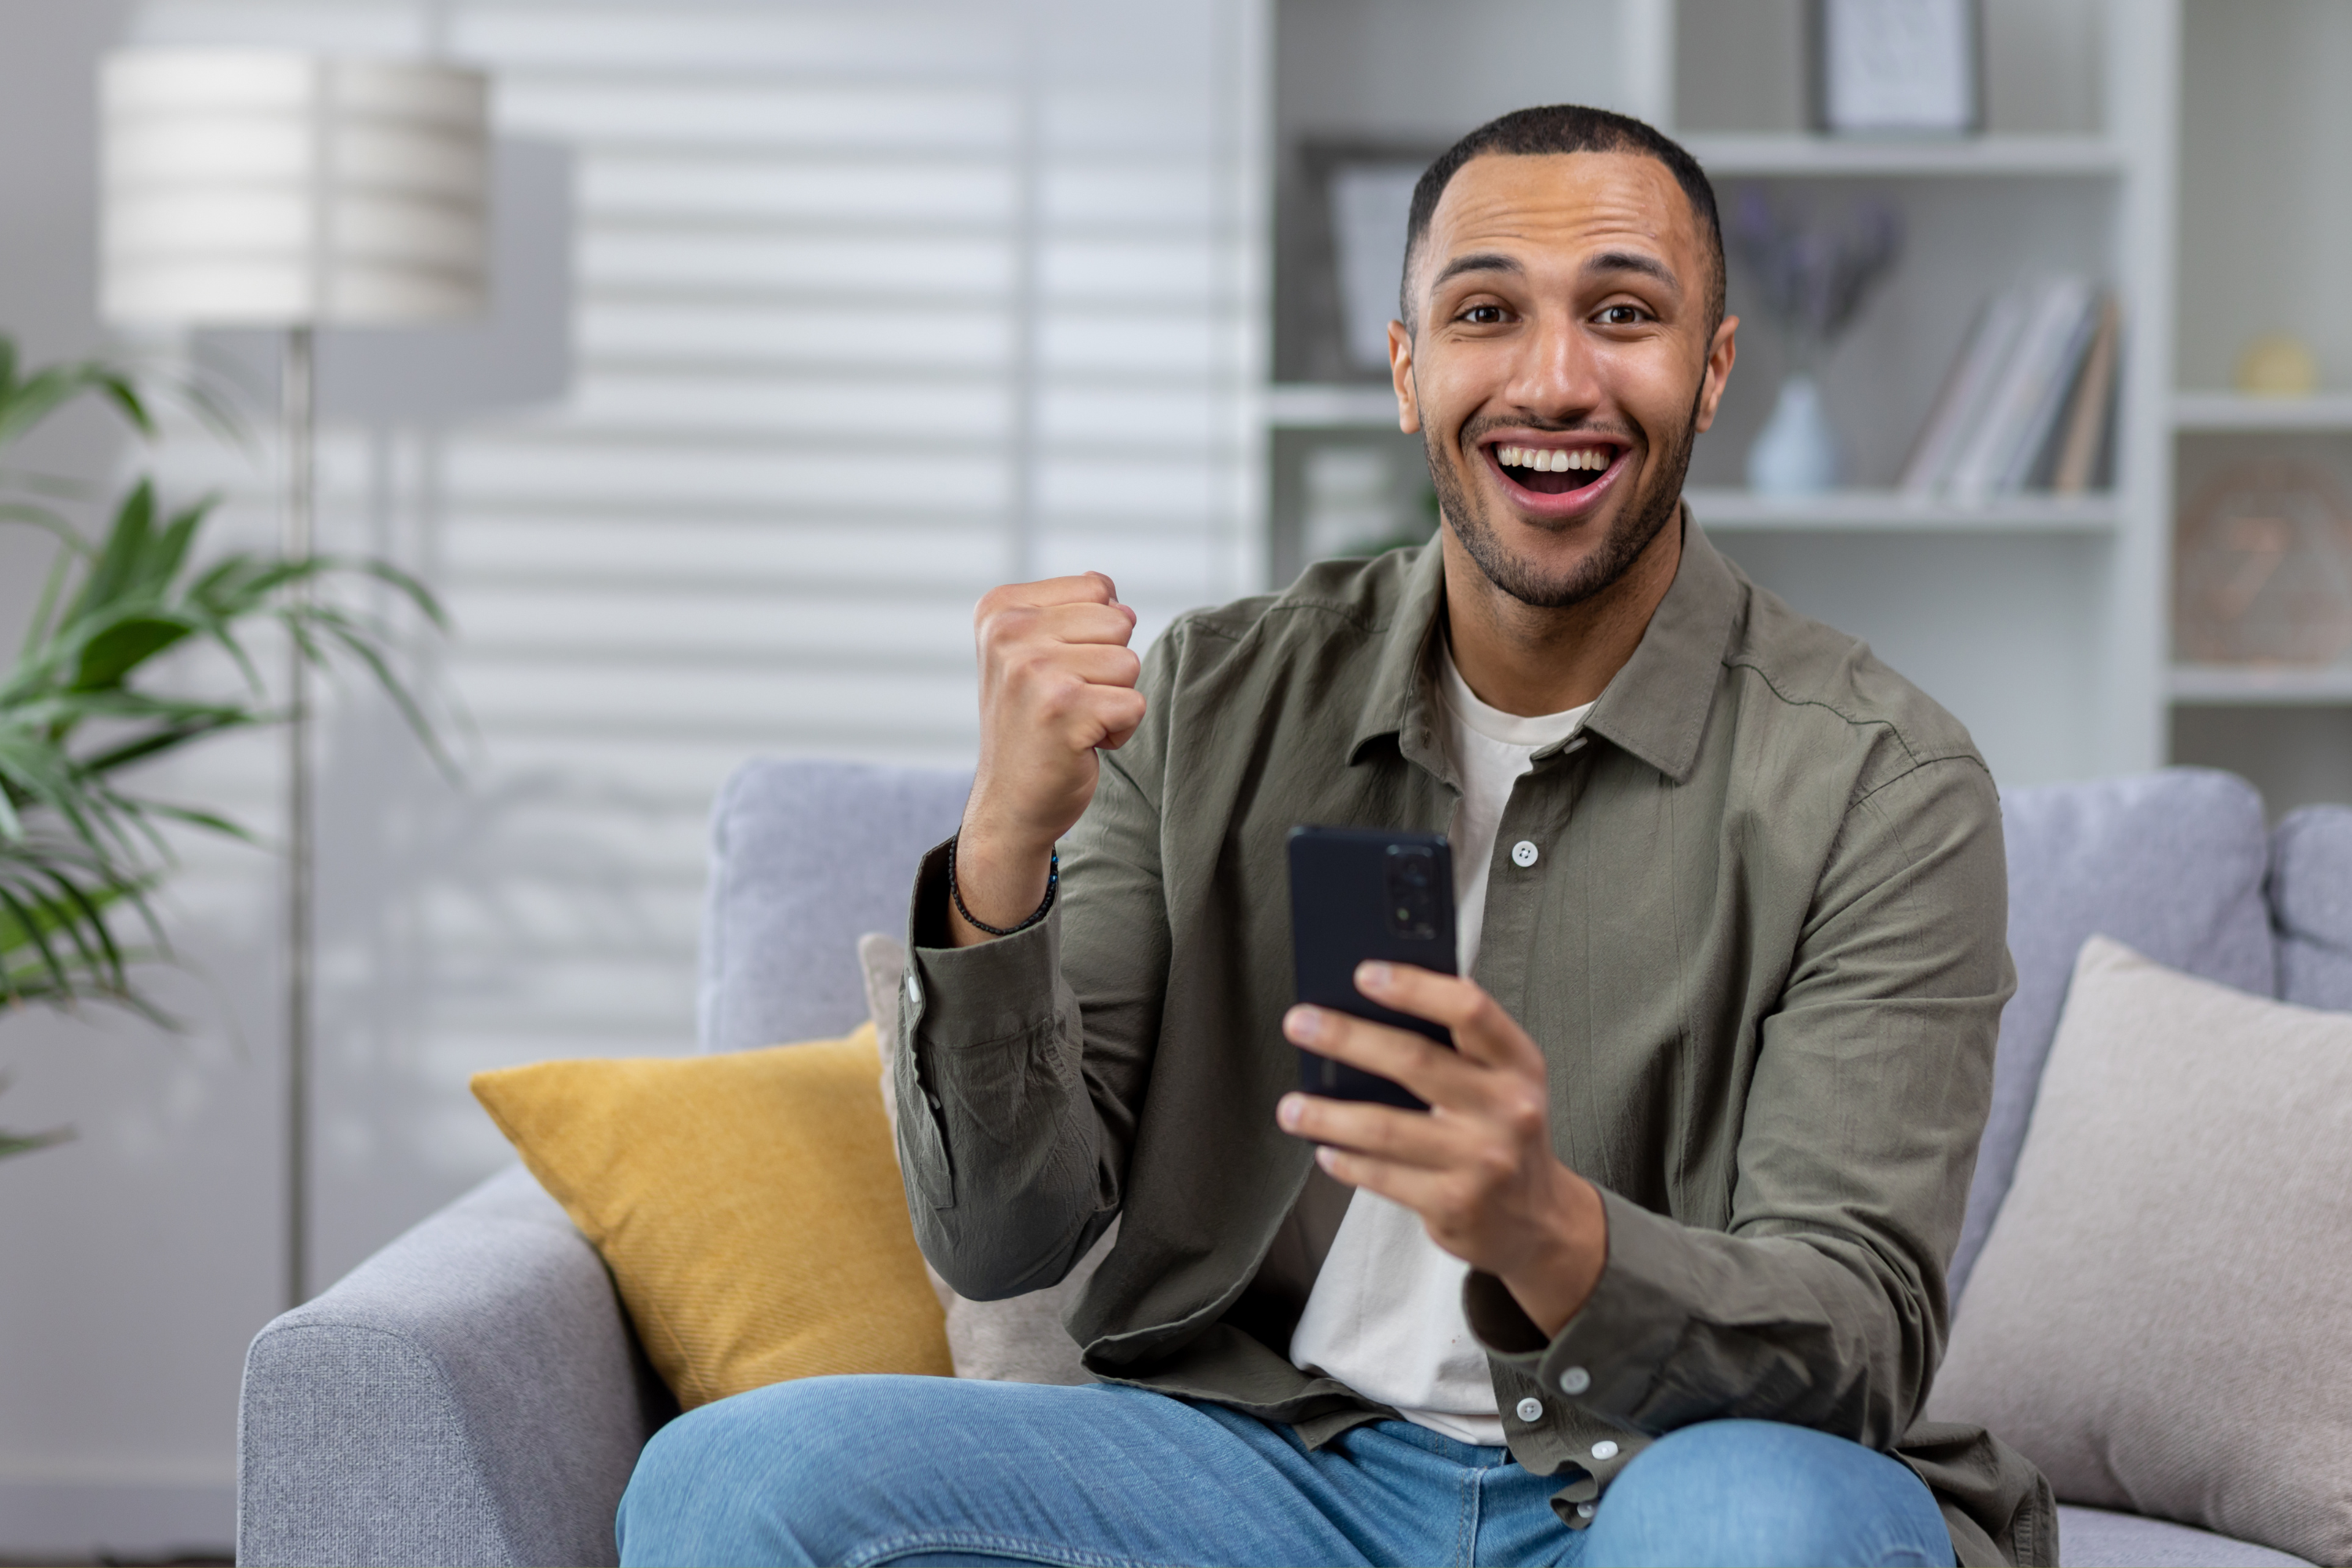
x,y
247,187
1896,67
2029,399
2277,364
2263,570
1371,206
1812,280
80,850
1339,251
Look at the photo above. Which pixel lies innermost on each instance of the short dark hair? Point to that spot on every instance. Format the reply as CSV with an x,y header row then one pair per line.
x,y
1563,127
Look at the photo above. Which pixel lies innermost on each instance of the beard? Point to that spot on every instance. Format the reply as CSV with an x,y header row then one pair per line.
x,y
1654,506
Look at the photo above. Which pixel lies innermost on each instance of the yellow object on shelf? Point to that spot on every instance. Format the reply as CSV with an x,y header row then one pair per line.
x,y
2278,365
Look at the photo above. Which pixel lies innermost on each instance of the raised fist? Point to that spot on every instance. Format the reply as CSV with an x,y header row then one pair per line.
x,y
1057,680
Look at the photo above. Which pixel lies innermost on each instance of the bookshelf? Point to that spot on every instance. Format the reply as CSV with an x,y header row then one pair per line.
x,y
2180,150
2039,620
2261,133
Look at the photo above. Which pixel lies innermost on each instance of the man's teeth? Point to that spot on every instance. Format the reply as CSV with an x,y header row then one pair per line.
x,y
1553,460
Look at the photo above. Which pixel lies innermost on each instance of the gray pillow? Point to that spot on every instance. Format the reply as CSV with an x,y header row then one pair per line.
x,y
1020,1339
2162,1315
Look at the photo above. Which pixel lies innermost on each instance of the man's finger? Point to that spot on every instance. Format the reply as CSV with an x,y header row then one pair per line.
x,y
1084,623
1403,1137
1439,1075
1416,1187
1085,588
1481,1030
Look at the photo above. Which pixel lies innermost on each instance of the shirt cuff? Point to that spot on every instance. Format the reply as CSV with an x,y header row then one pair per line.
x,y
1609,1357
959,997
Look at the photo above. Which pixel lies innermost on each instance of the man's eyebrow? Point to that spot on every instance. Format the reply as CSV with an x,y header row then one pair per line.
x,y
1633,261
1607,261
1477,261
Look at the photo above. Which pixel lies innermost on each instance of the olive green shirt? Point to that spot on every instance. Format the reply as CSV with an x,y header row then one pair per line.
x,y
1761,947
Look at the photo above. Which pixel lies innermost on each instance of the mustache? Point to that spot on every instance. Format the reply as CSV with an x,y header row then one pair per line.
x,y
1478,429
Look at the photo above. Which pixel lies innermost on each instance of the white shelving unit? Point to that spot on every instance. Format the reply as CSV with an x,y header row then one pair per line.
x,y
2039,620
2182,151
2263,134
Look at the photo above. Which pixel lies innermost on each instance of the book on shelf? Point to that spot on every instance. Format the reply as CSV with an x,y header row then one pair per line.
x,y
2025,404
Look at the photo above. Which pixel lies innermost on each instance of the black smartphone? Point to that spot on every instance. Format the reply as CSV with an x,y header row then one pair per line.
x,y
1358,894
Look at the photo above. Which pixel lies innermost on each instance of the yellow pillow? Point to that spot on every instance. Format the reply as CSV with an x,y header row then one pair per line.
x,y
747,1203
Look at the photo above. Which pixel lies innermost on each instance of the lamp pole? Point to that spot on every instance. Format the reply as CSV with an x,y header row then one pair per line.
x,y
297,412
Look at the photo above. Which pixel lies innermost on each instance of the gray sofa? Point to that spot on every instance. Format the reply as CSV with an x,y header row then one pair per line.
x,y
473,1393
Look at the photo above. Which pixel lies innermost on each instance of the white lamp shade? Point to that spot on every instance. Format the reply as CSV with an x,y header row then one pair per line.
x,y
259,188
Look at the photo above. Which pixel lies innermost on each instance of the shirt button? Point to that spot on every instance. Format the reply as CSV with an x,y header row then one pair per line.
x,y
1575,1380
914,989
1524,853
1584,1510
1604,1450
1531,1409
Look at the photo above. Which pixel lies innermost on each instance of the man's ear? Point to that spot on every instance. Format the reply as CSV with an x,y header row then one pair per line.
x,y
1721,352
1400,377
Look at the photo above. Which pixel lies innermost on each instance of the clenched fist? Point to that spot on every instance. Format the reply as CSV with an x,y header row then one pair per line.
x,y
1057,680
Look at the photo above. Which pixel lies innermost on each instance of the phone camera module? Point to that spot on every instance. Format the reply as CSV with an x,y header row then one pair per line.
x,y
1412,893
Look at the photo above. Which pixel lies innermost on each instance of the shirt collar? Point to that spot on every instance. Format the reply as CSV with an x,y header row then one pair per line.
x,y
1656,707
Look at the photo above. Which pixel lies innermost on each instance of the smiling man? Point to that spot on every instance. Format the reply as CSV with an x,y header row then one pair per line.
x,y
1658,1277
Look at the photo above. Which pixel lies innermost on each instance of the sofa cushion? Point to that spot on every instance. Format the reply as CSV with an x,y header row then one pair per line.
x,y
2311,905
2170,863
2094,1538
804,856
747,1204
2159,1320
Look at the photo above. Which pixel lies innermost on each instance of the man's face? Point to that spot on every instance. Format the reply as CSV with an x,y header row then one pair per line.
x,y
1564,361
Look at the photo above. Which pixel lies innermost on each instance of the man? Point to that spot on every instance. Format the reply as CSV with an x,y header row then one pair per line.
x,y
1659,1276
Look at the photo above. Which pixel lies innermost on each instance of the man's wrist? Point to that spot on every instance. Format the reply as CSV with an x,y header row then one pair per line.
x,y
990,881
1559,1274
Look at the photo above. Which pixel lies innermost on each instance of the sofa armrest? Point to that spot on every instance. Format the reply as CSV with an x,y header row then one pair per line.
x,y
470,1395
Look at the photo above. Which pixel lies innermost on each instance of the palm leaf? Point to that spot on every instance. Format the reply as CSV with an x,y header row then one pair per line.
x,y
78,852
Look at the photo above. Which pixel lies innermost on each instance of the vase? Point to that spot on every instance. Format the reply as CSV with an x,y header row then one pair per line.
x,y
1796,453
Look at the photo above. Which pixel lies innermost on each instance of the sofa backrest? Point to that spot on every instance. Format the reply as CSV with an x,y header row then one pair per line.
x,y
2171,863
805,857
2311,906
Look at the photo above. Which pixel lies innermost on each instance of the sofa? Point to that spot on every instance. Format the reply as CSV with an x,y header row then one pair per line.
x,y
473,1393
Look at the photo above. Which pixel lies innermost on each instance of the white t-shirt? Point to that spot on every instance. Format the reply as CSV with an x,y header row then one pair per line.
x,y
1385,1315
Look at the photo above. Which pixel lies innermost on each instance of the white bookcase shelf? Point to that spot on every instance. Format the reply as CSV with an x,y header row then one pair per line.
x,y
1823,157
1368,406
2234,411
2261,685
1894,511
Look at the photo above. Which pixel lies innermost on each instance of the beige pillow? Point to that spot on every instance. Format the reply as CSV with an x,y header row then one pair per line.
x,y
1020,1339
2162,1316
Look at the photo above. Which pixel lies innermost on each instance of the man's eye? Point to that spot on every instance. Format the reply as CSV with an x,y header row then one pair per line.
x,y
1484,315
1623,315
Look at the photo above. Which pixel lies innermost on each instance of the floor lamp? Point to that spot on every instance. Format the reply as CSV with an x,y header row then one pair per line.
x,y
252,188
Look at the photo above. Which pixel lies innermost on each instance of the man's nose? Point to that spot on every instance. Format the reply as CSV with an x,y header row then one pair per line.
x,y
1556,372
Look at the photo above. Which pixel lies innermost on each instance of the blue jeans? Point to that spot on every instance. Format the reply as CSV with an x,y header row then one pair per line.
x,y
863,1470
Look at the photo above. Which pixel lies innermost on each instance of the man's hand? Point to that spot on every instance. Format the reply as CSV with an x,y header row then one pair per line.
x,y
1057,680
1478,1166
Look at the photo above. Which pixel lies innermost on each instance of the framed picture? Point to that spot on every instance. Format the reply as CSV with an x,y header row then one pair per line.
x,y
1341,208
1897,68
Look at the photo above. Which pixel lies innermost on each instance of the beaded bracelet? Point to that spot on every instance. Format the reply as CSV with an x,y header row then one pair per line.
x,y
1052,880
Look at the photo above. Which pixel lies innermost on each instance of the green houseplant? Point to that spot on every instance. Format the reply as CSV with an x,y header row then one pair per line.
x,y
81,846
